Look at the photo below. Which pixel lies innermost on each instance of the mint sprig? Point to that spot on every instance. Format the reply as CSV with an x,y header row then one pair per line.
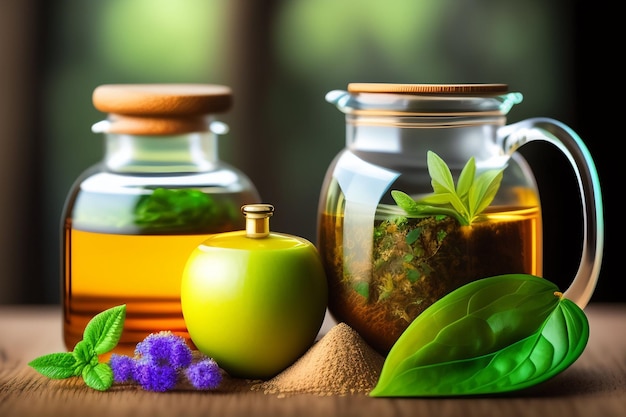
x,y
178,209
464,202
100,336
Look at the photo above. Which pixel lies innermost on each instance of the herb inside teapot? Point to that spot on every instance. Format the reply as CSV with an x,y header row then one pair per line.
x,y
471,196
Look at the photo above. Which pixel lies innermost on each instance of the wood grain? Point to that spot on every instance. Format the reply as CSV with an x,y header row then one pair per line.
x,y
595,385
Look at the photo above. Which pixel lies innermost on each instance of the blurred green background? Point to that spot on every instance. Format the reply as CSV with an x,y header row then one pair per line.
x,y
280,58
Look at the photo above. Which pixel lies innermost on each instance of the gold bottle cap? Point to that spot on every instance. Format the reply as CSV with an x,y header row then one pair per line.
x,y
452,89
257,219
160,109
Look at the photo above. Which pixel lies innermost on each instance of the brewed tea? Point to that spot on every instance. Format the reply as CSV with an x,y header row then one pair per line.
x,y
416,261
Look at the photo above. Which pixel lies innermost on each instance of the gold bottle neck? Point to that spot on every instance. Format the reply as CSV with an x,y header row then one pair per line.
x,y
257,219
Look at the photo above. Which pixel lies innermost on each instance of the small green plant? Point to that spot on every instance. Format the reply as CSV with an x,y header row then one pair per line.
x,y
464,202
160,360
100,336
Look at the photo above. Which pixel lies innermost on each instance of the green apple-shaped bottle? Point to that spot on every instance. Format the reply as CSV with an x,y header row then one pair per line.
x,y
254,300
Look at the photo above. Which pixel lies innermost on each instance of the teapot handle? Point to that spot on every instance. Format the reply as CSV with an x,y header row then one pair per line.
x,y
567,141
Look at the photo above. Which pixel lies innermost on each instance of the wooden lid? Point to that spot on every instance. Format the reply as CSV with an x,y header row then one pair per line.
x,y
452,89
162,99
160,109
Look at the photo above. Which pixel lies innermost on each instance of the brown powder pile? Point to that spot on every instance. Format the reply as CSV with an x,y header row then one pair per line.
x,y
340,363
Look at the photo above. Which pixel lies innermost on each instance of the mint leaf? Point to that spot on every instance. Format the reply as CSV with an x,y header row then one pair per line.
x,y
104,330
84,355
98,376
55,365
183,209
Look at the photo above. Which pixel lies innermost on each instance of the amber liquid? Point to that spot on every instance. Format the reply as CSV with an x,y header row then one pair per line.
x,y
142,271
403,281
110,258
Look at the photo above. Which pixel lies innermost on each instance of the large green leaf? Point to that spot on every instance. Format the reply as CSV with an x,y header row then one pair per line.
x,y
494,335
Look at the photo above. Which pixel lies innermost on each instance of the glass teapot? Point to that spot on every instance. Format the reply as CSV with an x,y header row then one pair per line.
x,y
430,194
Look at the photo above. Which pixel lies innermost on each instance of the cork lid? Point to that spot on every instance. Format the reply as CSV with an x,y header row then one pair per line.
x,y
452,89
160,109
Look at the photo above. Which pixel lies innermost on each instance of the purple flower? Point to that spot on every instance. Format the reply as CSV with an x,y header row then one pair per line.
x,y
155,377
160,359
123,368
180,354
204,374
165,348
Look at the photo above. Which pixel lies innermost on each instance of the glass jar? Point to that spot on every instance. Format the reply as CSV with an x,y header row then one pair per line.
x,y
130,222
389,259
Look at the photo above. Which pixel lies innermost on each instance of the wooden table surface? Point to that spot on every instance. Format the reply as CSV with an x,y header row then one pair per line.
x,y
595,385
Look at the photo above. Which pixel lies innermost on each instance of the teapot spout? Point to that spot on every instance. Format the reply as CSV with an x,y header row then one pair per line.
x,y
509,100
337,97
